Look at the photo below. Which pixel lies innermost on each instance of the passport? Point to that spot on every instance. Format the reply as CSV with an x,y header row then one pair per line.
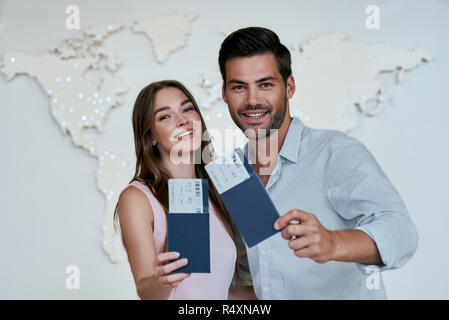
x,y
188,223
244,196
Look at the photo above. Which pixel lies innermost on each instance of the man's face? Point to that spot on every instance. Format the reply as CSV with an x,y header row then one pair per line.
x,y
256,94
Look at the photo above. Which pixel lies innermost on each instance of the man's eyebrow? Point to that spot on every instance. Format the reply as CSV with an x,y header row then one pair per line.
x,y
167,107
257,81
265,79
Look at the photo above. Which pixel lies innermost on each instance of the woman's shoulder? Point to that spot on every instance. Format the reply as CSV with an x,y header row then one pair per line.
x,y
134,201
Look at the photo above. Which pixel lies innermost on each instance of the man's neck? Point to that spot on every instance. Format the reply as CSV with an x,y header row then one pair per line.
x,y
266,150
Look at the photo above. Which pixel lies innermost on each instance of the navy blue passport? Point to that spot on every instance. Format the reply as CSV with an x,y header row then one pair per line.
x,y
250,206
188,232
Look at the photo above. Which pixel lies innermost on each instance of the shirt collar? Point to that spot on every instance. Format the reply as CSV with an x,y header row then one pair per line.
x,y
292,142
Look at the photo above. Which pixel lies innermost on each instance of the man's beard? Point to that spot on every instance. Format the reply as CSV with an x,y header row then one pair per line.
x,y
275,121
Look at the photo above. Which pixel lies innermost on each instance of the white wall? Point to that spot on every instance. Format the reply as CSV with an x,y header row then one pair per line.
x,y
51,212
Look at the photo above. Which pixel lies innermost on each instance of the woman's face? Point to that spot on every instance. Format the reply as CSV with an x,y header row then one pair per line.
x,y
176,123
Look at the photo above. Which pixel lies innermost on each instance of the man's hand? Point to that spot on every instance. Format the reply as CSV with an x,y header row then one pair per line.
x,y
311,240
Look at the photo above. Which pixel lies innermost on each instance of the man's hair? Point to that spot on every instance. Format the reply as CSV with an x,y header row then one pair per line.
x,y
252,41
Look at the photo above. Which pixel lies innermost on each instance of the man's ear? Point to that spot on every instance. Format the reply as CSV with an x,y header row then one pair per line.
x,y
291,86
223,92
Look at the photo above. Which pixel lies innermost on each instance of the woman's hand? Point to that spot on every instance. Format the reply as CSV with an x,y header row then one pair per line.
x,y
164,271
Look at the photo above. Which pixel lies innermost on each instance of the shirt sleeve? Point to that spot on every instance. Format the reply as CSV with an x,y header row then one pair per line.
x,y
358,190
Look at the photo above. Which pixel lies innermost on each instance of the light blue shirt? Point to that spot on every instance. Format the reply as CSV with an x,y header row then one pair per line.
x,y
335,177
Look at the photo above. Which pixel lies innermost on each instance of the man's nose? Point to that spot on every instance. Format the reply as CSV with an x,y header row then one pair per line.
x,y
251,97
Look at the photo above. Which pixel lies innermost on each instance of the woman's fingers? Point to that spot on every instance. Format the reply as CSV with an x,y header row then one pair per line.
x,y
164,271
166,256
170,267
173,279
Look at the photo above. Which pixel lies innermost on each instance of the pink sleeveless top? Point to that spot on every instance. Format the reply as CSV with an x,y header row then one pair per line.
x,y
199,286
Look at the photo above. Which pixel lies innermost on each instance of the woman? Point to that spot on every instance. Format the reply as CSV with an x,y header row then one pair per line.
x,y
166,123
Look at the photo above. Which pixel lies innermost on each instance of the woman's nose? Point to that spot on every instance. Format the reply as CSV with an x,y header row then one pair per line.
x,y
182,121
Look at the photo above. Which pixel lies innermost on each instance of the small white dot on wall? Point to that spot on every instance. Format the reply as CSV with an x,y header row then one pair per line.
x,y
13,59
219,115
68,79
80,95
119,174
58,79
71,109
112,157
124,164
96,95
106,152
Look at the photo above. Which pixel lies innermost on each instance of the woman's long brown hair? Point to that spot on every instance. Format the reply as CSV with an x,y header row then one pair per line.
x,y
149,169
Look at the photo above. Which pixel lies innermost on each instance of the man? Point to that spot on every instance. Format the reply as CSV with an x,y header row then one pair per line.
x,y
344,221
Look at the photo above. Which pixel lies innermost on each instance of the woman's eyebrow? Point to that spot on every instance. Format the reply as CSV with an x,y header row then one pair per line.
x,y
185,101
168,107
161,109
